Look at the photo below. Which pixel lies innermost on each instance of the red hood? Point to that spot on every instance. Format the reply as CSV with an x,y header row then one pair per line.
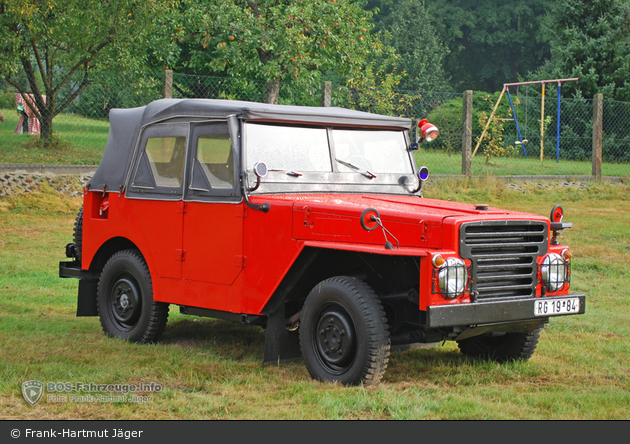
x,y
414,221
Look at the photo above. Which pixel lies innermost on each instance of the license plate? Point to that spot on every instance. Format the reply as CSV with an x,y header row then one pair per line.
x,y
550,307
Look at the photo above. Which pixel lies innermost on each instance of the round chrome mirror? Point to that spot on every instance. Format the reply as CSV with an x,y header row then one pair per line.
x,y
260,169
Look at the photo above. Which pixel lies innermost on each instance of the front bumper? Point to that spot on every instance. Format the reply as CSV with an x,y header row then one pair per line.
x,y
487,312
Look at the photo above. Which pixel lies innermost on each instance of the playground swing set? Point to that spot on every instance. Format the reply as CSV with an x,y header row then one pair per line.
x,y
521,141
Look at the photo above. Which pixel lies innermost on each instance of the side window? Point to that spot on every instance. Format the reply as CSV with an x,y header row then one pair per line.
x,y
213,164
161,158
214,154
166,156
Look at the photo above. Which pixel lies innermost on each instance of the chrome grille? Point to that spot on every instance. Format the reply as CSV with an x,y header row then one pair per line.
x,y
503,256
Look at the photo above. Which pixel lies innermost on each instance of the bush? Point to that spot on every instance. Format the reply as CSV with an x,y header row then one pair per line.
x,y
7,100
449,119
493,144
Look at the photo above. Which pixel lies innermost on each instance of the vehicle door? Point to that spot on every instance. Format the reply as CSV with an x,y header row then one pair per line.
x,y
155,190
213,223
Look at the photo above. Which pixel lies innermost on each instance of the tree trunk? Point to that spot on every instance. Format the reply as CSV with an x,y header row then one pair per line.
x,y
272,91
46,126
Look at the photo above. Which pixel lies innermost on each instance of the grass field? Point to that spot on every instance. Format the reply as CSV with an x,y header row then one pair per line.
x,y
86,140
441,163
211,369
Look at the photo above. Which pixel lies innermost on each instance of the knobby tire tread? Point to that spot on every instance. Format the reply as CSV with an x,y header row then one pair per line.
x,y
516,347
158,311
375,321
78,235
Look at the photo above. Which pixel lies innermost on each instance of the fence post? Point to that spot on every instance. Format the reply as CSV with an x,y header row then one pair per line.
x,y
598,119
467,134
326,93
168,84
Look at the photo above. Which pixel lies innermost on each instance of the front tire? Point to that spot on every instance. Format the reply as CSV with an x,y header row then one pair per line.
x,y
344,335
125,300
505,348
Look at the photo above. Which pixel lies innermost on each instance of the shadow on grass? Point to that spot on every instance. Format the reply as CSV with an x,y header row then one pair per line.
x,y
446,365
436,365
226,339
424,362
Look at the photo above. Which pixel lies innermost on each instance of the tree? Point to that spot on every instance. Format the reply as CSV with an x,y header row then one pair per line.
x,y
372,88
491,42
56,44
274,40
383,11
421,52
589,40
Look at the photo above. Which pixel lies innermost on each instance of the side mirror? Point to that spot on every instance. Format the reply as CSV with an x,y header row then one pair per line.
x,y
260,169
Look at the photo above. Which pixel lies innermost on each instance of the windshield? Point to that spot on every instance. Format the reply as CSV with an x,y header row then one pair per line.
x,y
379,152
308,150
288,148
328,158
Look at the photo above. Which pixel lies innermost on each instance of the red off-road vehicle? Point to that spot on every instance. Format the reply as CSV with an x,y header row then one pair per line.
x,y
311,223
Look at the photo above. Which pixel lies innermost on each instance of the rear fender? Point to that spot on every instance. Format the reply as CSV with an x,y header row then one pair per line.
x,y
88,279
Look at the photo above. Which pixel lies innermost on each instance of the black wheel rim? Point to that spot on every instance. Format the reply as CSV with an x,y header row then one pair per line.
x,y
124,302
335,339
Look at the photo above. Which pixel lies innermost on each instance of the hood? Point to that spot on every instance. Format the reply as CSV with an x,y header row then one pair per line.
x,y
408,221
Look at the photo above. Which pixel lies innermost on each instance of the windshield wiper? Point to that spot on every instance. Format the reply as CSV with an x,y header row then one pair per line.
x,y
366,173
289,172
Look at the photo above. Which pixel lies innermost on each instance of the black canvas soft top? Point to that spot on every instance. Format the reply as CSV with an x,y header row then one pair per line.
x,y
126,124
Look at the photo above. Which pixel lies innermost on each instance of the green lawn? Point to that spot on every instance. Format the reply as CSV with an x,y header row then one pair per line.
x,y
212,369
85,140
441,163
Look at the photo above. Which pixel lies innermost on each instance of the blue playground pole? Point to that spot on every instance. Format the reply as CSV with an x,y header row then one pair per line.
x,y
558,129
516,121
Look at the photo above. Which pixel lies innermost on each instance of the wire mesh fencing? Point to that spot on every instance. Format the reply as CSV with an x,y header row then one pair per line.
x,y
552,132
532,128
520,130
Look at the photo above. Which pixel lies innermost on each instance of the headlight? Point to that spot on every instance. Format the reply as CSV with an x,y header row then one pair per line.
x,y
452,277
553,272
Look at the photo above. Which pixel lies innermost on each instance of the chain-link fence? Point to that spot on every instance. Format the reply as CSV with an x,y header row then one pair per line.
x,y
84,123
523,139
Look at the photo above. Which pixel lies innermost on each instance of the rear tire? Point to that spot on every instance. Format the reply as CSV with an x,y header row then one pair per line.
x,y
78,235
125,300
344,335
505,348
